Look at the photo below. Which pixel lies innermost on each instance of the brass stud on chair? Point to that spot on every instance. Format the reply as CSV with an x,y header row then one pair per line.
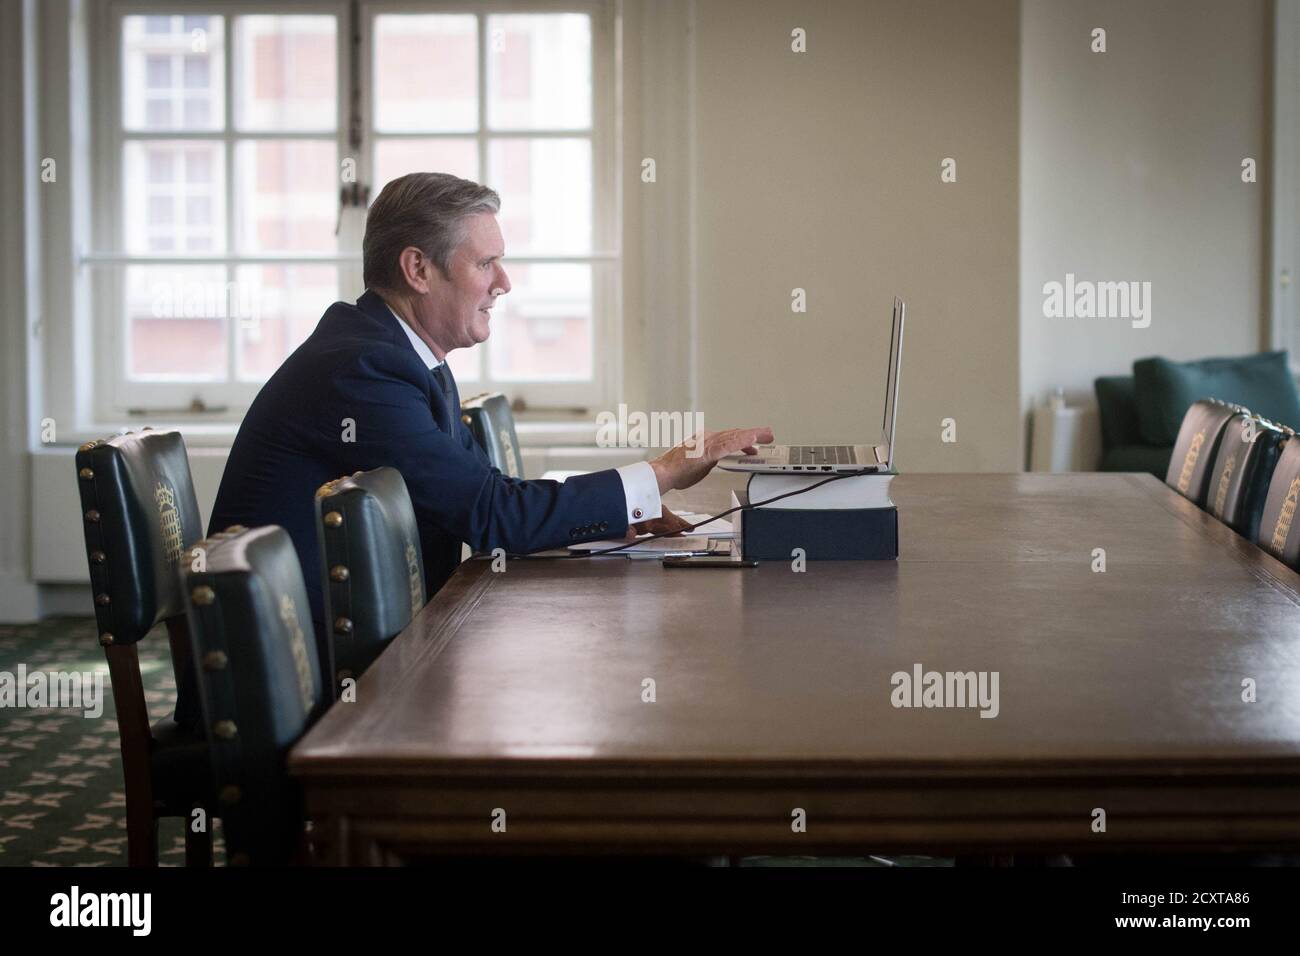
x,y
225,729
214,660
86,473
103,600
333,519
106,639
92,516
339,572
88,446
230,793
342,625
97,557
203,595
464,419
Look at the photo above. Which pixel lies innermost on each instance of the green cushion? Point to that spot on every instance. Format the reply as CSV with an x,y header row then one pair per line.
x,y
1138,458
1118,406
1165,390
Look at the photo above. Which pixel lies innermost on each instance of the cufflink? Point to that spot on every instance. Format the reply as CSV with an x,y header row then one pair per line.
x,y
637,512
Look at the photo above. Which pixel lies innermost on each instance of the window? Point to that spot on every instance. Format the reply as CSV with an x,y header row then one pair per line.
x,y
227,231
226,147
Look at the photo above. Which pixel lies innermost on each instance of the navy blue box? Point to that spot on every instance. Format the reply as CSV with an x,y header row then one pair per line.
x,y
858,534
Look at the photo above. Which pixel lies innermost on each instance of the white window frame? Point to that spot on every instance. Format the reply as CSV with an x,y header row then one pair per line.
x,y
116,395
119,399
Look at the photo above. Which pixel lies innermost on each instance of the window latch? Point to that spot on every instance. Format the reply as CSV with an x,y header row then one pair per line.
x,y
519,405
351,196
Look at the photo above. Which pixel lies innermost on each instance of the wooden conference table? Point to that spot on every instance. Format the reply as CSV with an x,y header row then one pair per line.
x,y
516,698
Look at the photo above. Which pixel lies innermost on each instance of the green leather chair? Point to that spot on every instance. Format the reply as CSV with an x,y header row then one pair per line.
x,y
1243,468
140,518
371,562
492,424
1192,463
259,686
1279,532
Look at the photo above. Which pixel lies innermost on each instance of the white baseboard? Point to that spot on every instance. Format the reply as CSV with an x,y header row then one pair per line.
x,y
25,602
66,600
20,600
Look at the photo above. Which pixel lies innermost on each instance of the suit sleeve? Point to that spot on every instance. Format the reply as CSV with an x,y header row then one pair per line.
x,y
385,393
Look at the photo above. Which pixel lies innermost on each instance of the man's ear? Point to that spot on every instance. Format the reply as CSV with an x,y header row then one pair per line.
x,y
416,268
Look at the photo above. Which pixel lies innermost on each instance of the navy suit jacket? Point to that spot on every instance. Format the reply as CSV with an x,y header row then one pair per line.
x,y
358,366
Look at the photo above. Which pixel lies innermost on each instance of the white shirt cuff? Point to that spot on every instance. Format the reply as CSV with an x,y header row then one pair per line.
x,y
640,491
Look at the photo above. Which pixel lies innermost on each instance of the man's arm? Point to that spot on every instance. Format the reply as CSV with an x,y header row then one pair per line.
x,y
451,485
640,481
386,395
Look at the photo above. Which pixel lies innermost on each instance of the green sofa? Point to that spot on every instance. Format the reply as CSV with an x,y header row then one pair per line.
x,y
1141,413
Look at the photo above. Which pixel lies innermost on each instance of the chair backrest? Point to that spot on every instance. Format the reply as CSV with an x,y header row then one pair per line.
x,y
1248,453
259,684
372,565
1198,442
1279,532
492,424
140,517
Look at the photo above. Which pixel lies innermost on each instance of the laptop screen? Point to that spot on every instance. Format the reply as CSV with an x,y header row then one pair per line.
x,y
891,381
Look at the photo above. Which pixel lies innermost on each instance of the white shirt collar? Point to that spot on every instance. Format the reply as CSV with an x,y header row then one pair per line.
x,y
417,343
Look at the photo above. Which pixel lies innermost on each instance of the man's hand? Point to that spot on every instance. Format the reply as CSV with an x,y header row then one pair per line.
x,y
687,463
666,523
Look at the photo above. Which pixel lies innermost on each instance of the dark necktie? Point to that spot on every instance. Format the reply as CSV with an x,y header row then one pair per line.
x,y
440,376
442,397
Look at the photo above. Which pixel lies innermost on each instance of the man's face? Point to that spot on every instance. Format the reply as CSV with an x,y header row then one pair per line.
x,y
454,311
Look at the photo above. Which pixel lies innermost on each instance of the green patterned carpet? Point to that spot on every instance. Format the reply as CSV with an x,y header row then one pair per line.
x,y
61,801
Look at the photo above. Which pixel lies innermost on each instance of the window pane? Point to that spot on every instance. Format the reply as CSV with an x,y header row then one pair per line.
x,y
426,72
172,69
174,197
545,188
287,195
176,322
539,71
286,73
397,157
542,327
279,307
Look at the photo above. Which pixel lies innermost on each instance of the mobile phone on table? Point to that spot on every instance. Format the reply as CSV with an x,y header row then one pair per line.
x,y
706,562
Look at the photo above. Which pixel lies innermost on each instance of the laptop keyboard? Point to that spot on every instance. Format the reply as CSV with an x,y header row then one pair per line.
x,y
822,455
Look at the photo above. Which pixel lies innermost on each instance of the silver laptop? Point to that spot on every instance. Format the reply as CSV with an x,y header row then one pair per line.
x,y
837,458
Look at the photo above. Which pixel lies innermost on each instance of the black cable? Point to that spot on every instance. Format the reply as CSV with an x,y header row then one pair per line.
x,y
669,534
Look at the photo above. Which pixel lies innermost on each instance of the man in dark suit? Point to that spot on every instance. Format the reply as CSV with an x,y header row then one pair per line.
x,y
371,387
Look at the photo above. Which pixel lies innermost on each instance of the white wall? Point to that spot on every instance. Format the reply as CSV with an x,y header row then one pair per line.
x,y
1131,170
821,170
